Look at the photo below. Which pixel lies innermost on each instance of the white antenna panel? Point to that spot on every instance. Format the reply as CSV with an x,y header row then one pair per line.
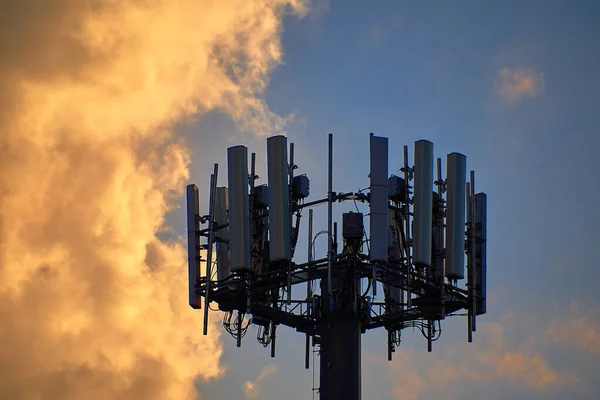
x,y
239,208
279,205
423,203
193,206
455,215
221,207
378,224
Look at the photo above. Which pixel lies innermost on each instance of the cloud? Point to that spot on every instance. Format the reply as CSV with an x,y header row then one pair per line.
x,y
512,84
490,360
578,328
92,302
252,389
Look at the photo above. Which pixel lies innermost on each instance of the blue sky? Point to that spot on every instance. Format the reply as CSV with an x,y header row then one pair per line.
x,y
515,86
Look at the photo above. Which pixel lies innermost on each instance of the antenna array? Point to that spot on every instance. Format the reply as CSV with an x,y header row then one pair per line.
x,y
418,239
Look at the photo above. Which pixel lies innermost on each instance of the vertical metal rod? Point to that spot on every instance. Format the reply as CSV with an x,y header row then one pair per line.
x,y
473,258
389,343
470,269
273,334
307,352
329,218
439,173
402,304
252,182
310,251
440,239
429,334
291,176
238,335
309,288
310,257
335,236
374,281
211,235
407,230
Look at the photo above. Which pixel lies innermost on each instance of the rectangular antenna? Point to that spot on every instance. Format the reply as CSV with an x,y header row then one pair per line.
x,y
193,206
480,252
455,215
239,208
221,207
279,192
378,204
393,281
423,203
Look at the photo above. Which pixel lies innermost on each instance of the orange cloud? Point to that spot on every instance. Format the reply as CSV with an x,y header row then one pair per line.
x,y
577,329
489,360
252,389
512,84
92,302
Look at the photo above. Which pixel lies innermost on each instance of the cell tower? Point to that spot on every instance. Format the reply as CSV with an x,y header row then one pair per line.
x,y
415,252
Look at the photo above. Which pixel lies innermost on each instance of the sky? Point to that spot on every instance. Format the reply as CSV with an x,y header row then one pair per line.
x,y
108,109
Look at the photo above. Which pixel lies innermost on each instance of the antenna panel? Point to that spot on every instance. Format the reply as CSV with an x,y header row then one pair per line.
x,y
481,252
221,207
261,197
397,190
378,224
455,215
393,238
279,205
239,208
423,203
393,281
193,205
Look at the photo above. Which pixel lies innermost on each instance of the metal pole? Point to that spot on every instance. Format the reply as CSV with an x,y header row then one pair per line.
x,y
390,344
239,329
407,230
211,234
473,258
340,364
252,182
329,218
307,352
273,335
308,287
470,269
373,281
291,176
429,335
310,253
334,238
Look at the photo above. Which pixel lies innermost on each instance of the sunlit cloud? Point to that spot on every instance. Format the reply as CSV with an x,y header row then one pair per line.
x,y
492,359
513,84
579,328
252,389
92,302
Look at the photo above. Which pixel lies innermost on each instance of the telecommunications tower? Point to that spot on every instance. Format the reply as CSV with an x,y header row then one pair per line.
x,y
414,252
